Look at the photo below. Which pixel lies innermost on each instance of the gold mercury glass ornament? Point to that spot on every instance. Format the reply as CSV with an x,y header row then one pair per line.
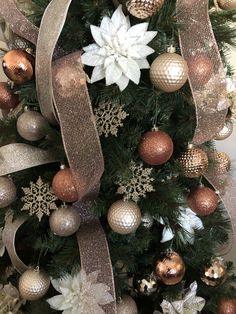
x,y
143,9
215,274
226,131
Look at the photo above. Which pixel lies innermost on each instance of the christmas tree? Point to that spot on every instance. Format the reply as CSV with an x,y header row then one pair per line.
x,y
113,197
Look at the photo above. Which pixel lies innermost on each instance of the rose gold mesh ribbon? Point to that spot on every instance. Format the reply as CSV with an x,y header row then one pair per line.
x,y
209,89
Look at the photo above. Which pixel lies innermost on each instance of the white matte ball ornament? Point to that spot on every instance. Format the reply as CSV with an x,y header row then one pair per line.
x,y
7,192
124,217
127,306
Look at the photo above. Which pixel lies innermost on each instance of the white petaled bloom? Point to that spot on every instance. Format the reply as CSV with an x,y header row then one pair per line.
x,y
119,51
80,294
2,246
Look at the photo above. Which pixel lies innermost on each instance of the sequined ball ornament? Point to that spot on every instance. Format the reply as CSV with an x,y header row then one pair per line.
x,y
215,274
221,162
227,4
143,9
226,306
8,100
7,192
200,70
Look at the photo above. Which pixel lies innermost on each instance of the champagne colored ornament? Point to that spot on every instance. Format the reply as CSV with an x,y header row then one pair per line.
x,y
194,162
18,65
227,4
215,274
226,306
127,305
202,200
145,285
143,9
169,72
170,268
226,131
7,192
33,284
63,186
124,217
200,69
156,147
8,100
65,221
32,126
221,162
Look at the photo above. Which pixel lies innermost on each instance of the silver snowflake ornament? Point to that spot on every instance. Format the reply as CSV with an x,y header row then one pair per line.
x,y
39,199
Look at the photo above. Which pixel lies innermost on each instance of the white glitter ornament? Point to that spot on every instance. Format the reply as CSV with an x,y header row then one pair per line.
x,y
119,51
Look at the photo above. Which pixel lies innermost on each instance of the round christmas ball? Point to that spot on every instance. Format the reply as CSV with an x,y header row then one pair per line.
x,y
18,65
155,148
221,162
143,9
127,305
227,4
226,306
215,274
64,187
226,131
65,221
202,200
194,162
8,100
124,217
146,284
169,72
170,268
147,220
32,126
7,192
200,69
33,284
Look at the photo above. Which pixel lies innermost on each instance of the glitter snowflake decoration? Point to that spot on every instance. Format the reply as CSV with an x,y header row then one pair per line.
x,y
109,118
138,184
39,199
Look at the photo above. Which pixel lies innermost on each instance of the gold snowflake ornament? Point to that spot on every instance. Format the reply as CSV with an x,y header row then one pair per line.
x,y
39,199
137,184
109,118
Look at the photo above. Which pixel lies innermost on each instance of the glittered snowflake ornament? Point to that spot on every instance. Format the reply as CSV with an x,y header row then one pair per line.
x,y
120,50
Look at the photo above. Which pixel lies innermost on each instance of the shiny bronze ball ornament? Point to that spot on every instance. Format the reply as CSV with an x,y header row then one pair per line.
x,y
226,131
202,200
215,274
8,100
200,69
227,5
226,306
221,162
170,268
143,9
18,65
156,147
127,305
7,192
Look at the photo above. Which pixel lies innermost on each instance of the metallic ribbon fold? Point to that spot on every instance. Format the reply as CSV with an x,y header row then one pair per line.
x,y
197,41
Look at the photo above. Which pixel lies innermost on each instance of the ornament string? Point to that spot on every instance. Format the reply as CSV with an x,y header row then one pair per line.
x,y
206,73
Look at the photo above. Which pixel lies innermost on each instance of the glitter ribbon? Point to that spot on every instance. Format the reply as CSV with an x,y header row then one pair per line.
x,y
197,43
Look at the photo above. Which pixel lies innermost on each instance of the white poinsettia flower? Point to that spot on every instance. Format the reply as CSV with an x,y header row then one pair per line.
x,y
80,294
2,246
119,51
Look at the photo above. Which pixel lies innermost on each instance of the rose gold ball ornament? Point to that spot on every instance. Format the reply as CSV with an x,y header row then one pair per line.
x,y
156,148
18,65
200,69
202,200
170,268
221,162
64,187
169,72
65,221
226,131
33,284
32,126
143,9
215,274
194,162
8,100
124,217
7,192
226,306
227,5
127,305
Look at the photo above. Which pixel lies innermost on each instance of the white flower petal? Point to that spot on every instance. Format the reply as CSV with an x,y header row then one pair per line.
x,y
146,37
92,59
97,74
132,71
56,285
92,47
122,82
107,25
167,234
113,73
97,35
58,303
135,30
118,18
140,51
143,64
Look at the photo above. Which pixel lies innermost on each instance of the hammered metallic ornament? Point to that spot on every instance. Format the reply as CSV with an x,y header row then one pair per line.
x,y
221,162
127,305
227,4
143,9
7,192
124,217
215,274
145,285
226,306
226,131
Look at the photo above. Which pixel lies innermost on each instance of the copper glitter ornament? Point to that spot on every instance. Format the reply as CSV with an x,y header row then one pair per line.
x,y
127,305
124,217
226,306
202,200
143,9
194,162
169,72
63,186
215,274
18,65
156,148
221,162
32,126
8,100
7,192
227,5
226,131
65,221
200,69
170,268
33,284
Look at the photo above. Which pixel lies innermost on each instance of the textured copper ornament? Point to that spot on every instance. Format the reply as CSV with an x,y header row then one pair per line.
x,y
170,268
200,69
143,9
226,306
8,100
227,4
169,72
124,217
156,147
127,305
221,162
18,65
226,131
194,162
216,274
202,201
7,192
64,187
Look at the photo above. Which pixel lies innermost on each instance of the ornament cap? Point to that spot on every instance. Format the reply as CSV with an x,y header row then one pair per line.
x,y
171,49
190,146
